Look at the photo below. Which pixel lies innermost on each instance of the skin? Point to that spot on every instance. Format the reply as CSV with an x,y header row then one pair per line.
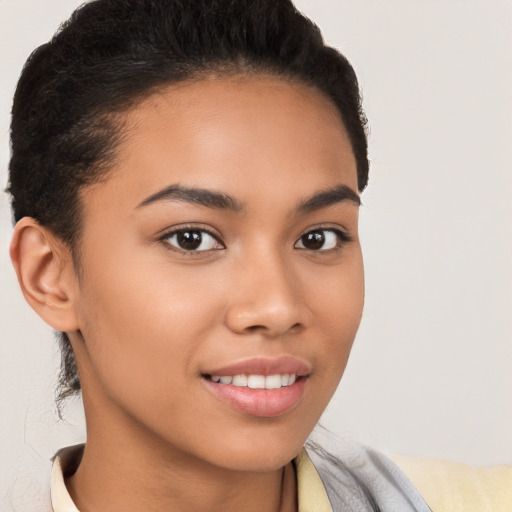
x,y
147,319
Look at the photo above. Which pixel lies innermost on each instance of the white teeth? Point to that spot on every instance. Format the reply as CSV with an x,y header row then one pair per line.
x,y
240,380
273,381
257,381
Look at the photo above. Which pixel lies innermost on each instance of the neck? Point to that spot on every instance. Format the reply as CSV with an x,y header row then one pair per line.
x,y
127,468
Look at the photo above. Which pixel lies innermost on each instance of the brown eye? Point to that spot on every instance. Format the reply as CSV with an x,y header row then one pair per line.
x,y
321,240
314,240
189,240
192,240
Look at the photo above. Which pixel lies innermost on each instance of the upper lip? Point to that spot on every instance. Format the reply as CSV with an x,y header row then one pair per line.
x,y
263,366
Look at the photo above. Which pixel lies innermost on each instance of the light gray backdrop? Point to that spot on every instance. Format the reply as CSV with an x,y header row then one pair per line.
x,y
430,373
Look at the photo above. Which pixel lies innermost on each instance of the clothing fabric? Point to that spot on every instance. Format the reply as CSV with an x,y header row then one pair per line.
x,y
355,479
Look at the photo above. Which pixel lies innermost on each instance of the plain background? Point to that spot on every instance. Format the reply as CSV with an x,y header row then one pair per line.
x,y
431,370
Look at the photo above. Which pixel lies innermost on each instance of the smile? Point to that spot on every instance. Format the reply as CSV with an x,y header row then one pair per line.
x,y
256,381
261,386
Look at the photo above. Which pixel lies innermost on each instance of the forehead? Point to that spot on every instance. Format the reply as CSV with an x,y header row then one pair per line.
x,y
247,136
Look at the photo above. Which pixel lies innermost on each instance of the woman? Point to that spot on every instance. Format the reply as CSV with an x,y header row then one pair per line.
x,y
185,178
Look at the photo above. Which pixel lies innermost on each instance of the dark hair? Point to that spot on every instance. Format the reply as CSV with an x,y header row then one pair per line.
x,y
68,105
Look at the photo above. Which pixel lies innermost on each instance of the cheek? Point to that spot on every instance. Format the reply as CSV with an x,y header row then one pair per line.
x,y
339,296
338,306
143,323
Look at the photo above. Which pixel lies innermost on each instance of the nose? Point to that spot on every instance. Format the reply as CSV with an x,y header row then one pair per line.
x,y
267,299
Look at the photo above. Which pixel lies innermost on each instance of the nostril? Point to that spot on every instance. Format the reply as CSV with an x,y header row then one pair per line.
x,y
253,328
296,327
267,316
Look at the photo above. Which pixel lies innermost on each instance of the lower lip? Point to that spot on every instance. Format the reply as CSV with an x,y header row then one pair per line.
x,y
265,403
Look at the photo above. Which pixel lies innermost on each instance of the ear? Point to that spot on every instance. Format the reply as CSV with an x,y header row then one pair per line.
x,y
46,274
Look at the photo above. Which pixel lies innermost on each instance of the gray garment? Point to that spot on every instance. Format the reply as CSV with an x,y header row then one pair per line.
x,y
360,479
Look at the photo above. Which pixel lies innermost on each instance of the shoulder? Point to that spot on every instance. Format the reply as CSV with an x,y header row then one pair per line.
x,y
359,478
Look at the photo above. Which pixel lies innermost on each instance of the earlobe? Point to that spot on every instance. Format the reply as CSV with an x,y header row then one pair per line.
x,y
45,273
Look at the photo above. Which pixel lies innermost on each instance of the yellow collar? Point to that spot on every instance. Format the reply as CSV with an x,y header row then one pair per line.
x,y
311,490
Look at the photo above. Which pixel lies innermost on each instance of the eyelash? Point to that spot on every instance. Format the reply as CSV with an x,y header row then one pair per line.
x,y
342,239
189,229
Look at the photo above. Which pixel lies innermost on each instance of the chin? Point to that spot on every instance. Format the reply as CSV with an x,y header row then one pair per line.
x,y
258,462
266,451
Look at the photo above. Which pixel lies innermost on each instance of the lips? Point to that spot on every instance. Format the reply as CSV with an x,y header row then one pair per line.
x,y
259,387
263,366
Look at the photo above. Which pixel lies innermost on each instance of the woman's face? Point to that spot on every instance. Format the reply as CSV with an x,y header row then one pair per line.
x,y
223,244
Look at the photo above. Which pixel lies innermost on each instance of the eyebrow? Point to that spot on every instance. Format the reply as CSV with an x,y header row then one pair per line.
x,y
329,197
222,201
201,196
